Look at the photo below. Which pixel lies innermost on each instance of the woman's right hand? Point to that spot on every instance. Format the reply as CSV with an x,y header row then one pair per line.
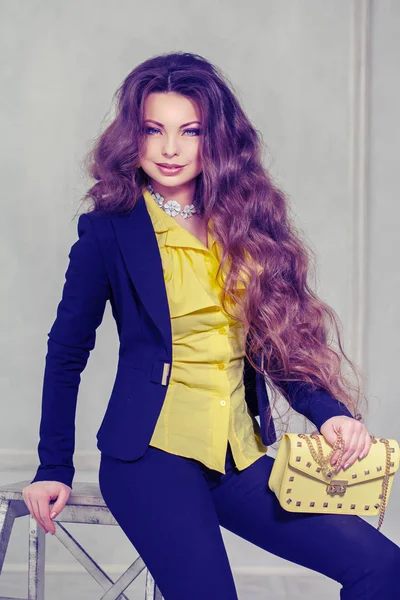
x,y
37,496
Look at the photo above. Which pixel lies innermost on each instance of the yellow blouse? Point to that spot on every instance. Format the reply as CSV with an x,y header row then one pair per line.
x,y
204,406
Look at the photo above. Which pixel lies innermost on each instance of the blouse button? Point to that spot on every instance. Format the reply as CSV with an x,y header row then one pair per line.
x,y
221,366
222,403
222,330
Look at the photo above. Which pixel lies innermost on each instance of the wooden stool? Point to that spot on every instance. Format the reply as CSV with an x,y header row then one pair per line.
x,y
85,505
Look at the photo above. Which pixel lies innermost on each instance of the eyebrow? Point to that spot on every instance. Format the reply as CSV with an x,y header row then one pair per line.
x,y
161,125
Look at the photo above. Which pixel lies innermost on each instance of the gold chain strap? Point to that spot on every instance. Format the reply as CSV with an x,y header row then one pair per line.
x,y
322,460
385,482
326,468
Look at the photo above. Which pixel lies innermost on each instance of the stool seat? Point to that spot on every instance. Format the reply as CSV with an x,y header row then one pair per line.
x,y
84,505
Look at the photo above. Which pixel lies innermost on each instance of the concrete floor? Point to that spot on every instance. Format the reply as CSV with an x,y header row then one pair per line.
x,y
80,586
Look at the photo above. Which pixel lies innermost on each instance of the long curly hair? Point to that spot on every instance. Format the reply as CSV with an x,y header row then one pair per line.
x,y
287,326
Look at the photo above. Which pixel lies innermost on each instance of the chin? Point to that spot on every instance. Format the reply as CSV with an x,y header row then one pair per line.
x,y
168,181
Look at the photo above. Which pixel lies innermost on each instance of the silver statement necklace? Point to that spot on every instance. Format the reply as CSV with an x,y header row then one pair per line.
x,y
172,207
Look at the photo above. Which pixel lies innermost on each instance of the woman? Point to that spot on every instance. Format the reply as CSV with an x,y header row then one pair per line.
x,y
207,279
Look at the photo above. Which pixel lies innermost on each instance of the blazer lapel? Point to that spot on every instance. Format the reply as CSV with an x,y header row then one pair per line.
x,y
139,247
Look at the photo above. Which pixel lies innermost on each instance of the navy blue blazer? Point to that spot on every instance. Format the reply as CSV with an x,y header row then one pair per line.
x,y
117,258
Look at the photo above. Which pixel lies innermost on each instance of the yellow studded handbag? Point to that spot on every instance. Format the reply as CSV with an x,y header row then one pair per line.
x,y
303,479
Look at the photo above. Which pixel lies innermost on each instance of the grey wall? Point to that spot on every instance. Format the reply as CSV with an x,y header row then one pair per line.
x,y
299,68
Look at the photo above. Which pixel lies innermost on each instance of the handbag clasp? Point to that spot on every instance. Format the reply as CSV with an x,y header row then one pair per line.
x,y
337,486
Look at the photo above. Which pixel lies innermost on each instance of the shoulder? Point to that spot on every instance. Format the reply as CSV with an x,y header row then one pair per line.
x,y
104,222
102,226
101,217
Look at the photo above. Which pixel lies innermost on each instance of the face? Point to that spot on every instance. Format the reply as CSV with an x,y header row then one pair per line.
x,y
172,130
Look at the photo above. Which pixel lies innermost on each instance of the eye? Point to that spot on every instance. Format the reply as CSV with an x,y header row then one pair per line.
x,y
194,131
148,129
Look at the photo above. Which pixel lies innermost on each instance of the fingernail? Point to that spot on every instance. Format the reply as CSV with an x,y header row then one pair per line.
x,y
346,465
334,462
53,514
361,456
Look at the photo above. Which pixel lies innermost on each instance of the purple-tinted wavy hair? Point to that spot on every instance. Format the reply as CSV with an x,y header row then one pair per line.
x,y
286,324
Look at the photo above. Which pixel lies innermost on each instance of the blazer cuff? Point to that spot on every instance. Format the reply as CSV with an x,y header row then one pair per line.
x,y
318,405
61,473
328,407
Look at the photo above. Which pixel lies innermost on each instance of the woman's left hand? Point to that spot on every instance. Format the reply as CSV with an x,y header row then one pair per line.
x,y
355,436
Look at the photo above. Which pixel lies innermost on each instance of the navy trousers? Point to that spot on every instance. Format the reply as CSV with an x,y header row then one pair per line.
x,y
171,509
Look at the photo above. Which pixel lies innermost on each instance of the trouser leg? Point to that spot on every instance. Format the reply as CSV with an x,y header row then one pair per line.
x,y
163,504
345,548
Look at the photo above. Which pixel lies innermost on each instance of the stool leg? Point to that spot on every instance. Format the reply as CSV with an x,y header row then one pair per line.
x,y
7,518
152,592
36,561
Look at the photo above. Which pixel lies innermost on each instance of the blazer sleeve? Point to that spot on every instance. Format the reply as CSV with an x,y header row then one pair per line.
x,y
317,405
71,338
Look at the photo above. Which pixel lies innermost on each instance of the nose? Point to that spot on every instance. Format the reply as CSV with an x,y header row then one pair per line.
x,y
170,146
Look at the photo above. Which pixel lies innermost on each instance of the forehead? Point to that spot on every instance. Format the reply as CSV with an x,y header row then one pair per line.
x,y
170,107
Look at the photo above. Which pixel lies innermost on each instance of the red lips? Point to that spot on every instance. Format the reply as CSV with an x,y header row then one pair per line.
x,y
170,166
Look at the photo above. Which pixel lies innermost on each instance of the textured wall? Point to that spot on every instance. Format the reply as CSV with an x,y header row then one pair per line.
x,y
298,68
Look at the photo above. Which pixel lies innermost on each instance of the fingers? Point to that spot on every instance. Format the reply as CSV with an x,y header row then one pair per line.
x,y
61,501
335,457
37,515
40,511
33,511
44,513
353,450
367,445
357,443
